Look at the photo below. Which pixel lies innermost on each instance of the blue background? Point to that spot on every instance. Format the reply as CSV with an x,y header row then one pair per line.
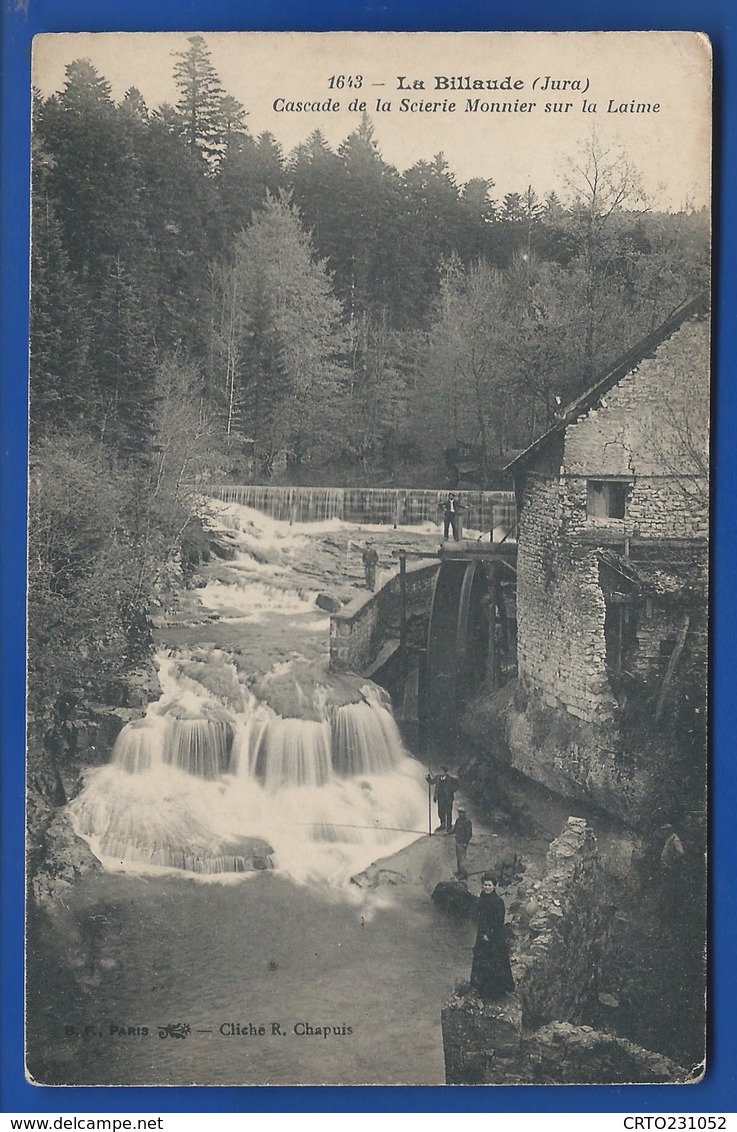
x,y
19,22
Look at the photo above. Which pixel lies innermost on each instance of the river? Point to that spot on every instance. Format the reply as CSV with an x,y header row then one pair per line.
x,y
128,956
176,964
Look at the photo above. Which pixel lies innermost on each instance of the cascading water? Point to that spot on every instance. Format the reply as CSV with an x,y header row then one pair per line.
x,y
255,757
386,506
319,798
136,749
289,752
199,746
364,737
247,760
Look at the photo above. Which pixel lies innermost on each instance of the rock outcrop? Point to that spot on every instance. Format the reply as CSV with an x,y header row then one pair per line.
x,y
534,1036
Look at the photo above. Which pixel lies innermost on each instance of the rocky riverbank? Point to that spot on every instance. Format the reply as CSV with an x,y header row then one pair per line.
x,y
603,987
57,753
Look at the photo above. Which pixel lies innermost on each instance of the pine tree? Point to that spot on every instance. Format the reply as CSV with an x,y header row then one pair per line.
x,y
362,204
120,367
434,225
248,172
134,104
376,402
200,105
233,116
315,175
79,131
183,232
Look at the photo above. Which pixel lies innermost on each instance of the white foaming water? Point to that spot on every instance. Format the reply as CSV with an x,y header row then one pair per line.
x,y
279,539
310,777
269,537
139,746
284,753
192,787
199,746
381,506
255,600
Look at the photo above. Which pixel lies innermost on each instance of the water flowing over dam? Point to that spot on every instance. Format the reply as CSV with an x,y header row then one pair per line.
x,y
380,505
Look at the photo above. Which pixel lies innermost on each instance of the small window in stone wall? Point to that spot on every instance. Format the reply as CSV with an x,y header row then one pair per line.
x,y
606,499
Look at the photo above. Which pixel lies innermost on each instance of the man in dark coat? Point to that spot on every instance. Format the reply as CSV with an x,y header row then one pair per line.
x,y
370,559
445,788
463,831
452,508
491,973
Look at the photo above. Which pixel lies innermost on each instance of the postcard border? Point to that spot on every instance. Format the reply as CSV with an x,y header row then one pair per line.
x,y
20,21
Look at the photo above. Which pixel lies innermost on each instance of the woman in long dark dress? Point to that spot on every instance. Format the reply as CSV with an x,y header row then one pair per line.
x,y
491,973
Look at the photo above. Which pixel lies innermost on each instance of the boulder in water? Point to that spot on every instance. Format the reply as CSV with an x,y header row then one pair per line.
x,y
453,897
224,545
377,874
328,603
306,690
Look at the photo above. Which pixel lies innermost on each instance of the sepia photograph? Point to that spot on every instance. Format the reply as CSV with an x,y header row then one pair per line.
x,y
368,558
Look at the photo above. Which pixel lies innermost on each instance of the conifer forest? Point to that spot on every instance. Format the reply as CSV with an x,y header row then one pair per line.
x,y
207,306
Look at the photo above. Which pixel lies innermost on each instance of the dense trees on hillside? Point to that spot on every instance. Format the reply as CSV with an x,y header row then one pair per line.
x,y
203,303
139,222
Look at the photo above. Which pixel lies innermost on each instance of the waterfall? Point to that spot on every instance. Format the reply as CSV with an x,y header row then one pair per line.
x,y
214,793
385,506
199,746
290,752
138,747
182,737
363,740
256,755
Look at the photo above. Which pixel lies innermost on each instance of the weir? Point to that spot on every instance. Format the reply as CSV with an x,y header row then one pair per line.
x,y
386,506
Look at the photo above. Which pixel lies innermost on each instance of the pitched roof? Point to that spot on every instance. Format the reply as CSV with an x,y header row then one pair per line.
x,y
624,365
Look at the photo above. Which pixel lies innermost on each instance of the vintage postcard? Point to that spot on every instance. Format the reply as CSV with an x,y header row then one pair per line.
x,y
368,558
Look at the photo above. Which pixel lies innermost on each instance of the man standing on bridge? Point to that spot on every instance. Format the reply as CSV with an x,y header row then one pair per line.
x,y
452,508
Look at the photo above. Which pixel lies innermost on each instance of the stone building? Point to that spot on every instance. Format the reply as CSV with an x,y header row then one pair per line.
x,y
612,573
